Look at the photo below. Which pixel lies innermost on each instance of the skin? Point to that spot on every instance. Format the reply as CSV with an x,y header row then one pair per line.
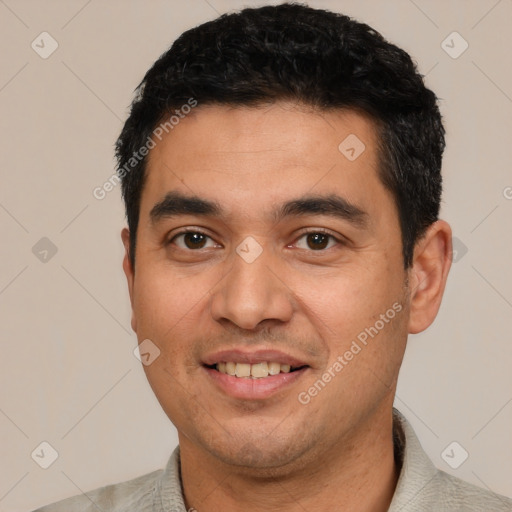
x,y
277,453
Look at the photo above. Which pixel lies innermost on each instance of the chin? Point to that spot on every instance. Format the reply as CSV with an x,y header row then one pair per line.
x,y
262,456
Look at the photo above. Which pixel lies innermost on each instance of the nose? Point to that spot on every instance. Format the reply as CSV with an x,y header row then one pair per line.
x,y
251,294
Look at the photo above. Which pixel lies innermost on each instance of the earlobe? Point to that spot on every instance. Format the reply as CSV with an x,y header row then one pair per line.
x,y
129,272
428,275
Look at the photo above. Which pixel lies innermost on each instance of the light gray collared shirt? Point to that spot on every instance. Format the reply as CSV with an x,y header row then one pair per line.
x,y
421,487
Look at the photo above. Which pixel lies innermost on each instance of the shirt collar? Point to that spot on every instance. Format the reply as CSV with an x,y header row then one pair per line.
x,y
169,489
416,472
416,469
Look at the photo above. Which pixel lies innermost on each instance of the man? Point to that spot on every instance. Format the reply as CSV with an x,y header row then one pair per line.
x,y
281,174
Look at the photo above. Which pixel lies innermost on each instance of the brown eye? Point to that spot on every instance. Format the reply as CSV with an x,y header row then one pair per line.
x,y
194,240
316,241
191,240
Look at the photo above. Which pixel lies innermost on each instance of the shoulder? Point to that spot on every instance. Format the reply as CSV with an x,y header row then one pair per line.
x,y
422,487
136,494
458,495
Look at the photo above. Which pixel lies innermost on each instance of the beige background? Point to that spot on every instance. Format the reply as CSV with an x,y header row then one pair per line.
x,y
68,375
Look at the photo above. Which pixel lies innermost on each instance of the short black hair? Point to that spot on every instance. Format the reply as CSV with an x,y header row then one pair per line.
x,y
316,57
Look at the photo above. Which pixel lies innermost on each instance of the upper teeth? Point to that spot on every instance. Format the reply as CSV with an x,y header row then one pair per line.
x,y
256,371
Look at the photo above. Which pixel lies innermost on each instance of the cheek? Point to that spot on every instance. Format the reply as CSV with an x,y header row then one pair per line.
x,y
345,307
173,312
343,298
162,301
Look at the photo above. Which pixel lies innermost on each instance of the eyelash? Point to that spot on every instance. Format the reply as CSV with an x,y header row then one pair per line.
x,y
301,235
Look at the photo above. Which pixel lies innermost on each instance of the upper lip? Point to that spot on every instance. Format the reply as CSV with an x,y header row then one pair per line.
x,y
252,357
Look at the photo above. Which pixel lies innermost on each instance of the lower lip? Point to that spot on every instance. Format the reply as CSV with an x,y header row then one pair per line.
x,y
253,389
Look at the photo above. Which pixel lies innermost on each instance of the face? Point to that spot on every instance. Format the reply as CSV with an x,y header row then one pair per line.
x,y
264,242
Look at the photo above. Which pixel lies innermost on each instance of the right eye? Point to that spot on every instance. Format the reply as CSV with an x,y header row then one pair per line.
x,y
191,240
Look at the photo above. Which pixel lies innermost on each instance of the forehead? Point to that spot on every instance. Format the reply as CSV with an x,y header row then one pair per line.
x,y
251,158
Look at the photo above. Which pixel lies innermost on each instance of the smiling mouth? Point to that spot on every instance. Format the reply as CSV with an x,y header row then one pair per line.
x,y
254,371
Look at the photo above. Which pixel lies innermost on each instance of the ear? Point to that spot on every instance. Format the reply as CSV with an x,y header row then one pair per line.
x,y
427,277
129,271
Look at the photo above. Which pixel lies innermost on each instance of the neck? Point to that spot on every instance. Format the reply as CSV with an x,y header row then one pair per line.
x,y
358,473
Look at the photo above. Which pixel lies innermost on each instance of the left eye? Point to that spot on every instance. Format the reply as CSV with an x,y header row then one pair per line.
x,y
317,241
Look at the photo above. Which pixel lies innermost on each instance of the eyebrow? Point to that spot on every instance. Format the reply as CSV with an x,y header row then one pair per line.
x,y
175,204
